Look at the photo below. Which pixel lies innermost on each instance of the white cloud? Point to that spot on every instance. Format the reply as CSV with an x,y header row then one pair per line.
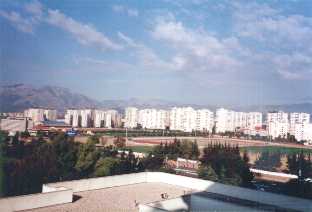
x,y
19,22
196,49
35,8
129,41
123,9
286,37
84,33
25,23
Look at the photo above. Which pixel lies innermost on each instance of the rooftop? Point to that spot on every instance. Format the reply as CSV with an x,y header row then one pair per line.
x,y
122,198
150,191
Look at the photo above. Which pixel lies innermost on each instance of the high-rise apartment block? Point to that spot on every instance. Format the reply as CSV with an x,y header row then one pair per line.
x,y
131,117
92,118
38,115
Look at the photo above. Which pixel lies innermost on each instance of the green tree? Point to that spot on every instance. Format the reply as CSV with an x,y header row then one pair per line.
x,y
207,173
106,167
87,157
66,151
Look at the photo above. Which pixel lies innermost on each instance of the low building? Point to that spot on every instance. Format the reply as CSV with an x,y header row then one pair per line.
x,y
15,124
150,191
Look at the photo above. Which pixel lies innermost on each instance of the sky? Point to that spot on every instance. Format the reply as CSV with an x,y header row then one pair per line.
x,y
194,51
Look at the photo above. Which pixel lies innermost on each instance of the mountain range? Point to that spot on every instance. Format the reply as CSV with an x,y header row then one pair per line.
x,y
17,97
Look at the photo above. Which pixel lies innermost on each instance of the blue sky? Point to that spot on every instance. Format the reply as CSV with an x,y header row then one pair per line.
x,y
193,51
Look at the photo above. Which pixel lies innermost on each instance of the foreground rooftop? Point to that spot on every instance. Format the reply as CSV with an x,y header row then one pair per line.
x,y
150,191
121,198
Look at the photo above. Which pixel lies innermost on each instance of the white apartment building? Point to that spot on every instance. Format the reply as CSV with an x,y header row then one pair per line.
x,y
302,131
50,114
147,118
279,116
297,119
91,118
131,117
183,119
35,114
278,129
86,117
228,120
115,118
204,120
99,118
254,120
222,120
162,119
277,124
72,117
38,115
153,119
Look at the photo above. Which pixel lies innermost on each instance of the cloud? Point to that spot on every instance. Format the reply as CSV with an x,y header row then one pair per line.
x,y
19,22
25,23
130,42
197,49
35,8
83,33
123,9
285,37
36,13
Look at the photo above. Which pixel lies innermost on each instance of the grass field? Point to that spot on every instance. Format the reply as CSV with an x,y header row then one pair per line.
x,y
142,149
275,149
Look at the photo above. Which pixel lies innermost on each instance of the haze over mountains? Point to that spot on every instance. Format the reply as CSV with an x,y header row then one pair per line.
x,y
17,97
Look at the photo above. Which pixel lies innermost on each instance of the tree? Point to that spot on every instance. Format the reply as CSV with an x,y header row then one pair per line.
x,y
227,163
87,157
106,167
66,151
207,173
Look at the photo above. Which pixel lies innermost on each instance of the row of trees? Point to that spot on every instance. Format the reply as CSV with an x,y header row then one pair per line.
x,y
177,148
28,165
223,163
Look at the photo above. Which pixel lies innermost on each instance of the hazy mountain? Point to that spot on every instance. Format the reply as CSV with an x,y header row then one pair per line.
x,y
299,107
18,97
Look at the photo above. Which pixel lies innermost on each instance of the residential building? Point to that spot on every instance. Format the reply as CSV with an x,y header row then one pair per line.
x,y
35,114
50,114
277,124
302,131
254,120
131,117
183,119
204,120
11,124
278,129
297,119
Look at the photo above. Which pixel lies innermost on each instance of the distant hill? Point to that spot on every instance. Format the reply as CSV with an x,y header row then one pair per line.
x,y
299,107
17,97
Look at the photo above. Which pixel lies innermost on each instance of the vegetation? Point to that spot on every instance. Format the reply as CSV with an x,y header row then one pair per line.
x,y
28,165
301,166
224,164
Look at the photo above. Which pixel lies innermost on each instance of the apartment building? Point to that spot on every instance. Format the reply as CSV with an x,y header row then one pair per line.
x,y
183,118
254,120
131,117
35,114
296,120
50,114
277,124
204,120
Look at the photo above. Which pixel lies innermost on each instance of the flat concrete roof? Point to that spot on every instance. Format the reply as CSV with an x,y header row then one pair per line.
x,y
121,198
